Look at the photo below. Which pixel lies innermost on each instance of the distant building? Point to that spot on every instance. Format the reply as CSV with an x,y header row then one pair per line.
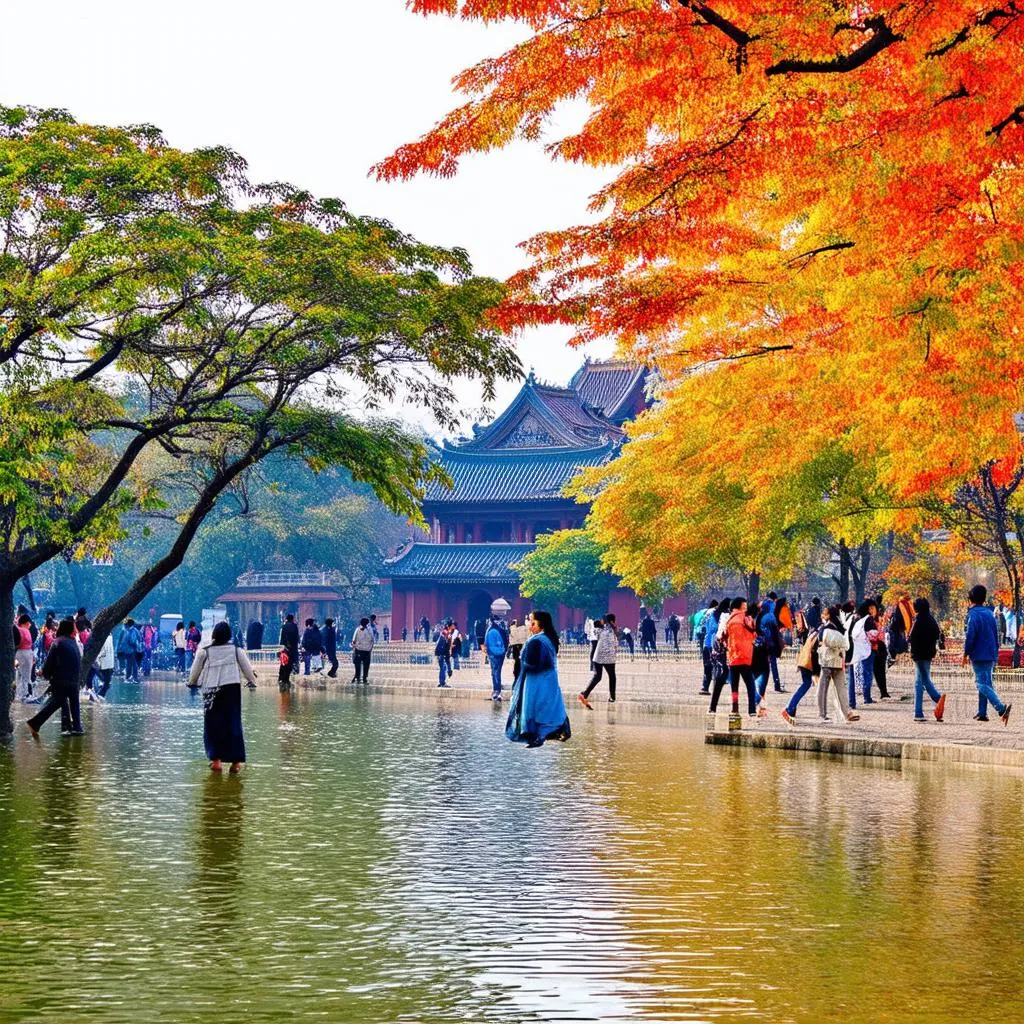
x,y
508,482
269,596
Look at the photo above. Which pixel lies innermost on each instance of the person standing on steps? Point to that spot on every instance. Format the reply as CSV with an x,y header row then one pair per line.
x,y
330,636
218,671
290,642
981,649
832,647
61,669
494,641
362,645
924,645
707,627
604,661
739,638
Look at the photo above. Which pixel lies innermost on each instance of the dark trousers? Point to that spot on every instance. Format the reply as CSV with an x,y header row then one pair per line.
x,y
106,674
736,672
332,657
705,653
598,668
362,663
63,698
881,658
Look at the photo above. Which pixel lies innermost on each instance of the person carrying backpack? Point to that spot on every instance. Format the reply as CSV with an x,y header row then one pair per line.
x,y
496,644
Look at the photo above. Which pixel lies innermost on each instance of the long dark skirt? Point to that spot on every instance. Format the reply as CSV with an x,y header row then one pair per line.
x,y
222,725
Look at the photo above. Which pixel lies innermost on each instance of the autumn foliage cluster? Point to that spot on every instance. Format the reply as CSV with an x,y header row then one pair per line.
x,y
813,227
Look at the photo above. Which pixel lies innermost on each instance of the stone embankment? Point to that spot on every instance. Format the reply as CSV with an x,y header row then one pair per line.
x,y
667,687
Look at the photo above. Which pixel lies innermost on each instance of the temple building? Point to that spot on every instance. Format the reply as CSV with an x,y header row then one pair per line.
x,y
508,481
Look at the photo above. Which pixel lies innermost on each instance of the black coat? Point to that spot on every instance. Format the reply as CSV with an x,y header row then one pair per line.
x,y
290,636
330,641
63,663
924,637
312,641
254,635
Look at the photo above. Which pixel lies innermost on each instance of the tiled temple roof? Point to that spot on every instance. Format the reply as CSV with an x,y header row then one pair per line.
x,y
512,476
457,563
609,387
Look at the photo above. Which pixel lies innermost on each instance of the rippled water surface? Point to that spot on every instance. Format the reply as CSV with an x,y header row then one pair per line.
x,y
390,861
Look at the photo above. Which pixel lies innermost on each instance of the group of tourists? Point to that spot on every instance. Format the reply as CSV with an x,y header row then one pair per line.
x,y
845,649
316,648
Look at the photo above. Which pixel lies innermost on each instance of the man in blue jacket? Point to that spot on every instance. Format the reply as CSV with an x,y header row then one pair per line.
x,y
981,648
496,645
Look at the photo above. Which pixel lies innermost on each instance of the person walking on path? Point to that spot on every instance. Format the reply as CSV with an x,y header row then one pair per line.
x,y
24,658
289,640
604,661
178,640
771,630
537,711
739,638
981,649
494,640
331,646
673,629
61,669
128,643
362,645
105,666
863,634
707,625
218,672
590,631
312,647
193,637
832,647
809,666
441,649
924,645
648,636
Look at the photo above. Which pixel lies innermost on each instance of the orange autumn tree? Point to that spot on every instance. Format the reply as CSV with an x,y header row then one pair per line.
x,y
829,193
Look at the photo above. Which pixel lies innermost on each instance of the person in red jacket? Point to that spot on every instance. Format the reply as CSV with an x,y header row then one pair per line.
x,y
739,639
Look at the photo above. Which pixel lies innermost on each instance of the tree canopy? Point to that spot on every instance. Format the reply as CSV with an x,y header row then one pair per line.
x,y
566,568
155,305
814,220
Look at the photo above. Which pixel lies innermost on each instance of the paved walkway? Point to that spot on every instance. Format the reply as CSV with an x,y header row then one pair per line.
x,y
669,689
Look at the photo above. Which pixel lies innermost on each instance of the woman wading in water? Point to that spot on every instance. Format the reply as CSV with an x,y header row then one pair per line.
x,y
537,712
218,671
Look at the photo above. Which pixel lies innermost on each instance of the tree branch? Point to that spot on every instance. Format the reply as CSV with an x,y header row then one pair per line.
x,y
882,37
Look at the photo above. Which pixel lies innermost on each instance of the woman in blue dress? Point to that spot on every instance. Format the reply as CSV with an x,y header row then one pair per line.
x,y
537,712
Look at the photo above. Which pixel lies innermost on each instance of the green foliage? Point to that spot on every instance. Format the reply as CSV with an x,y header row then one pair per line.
x,y
566,568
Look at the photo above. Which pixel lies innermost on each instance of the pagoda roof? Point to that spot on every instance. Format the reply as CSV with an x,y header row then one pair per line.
x,y
513,476
458,563
610,387
542,417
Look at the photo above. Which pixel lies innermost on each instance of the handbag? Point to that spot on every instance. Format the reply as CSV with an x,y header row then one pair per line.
x,y
806,658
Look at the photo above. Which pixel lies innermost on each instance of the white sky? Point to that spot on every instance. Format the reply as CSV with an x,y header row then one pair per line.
x,y
312,92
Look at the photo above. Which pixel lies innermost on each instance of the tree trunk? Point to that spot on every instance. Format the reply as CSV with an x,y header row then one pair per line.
x,y
30,593
104,623
843,580
753,581
6,653
860,570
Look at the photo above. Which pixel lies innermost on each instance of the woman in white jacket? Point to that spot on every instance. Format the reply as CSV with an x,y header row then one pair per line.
x,y
218,671
832,656
605,649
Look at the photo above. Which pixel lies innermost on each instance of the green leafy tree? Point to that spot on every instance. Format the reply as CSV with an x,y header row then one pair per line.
x,y
156,305
566,568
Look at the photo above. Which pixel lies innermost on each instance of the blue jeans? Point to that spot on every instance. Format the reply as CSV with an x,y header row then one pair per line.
x,y
922,682
986,694
863,673
773,663
442,666
760,685
496,660
806,679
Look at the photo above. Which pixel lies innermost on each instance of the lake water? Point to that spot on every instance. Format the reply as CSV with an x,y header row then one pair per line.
x,y
381,860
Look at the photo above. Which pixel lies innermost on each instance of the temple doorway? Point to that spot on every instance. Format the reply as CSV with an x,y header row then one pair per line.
x,y
479,609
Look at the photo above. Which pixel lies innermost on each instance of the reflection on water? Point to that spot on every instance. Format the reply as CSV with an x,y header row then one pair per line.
x,y
393,861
